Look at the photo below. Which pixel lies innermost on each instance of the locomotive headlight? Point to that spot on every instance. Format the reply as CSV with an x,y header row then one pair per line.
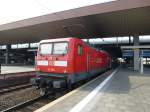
x,y
49,69
53,69
37,69
65,71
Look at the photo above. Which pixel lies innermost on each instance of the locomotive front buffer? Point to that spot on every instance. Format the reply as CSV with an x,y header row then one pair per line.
x,y
49,85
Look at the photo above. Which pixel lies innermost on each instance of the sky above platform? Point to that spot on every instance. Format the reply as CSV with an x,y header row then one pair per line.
x,y
14,10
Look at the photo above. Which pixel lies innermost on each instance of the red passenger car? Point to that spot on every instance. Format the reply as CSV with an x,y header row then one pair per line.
x,y
65,61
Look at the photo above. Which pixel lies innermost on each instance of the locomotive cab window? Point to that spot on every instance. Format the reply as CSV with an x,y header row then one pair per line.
x,y
46,48
79,50
60,48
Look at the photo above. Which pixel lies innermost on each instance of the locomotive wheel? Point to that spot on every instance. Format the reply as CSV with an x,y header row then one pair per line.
x,y
43,92
69,85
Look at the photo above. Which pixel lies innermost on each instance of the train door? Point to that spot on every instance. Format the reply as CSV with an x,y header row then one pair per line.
x,y
87,62
80,59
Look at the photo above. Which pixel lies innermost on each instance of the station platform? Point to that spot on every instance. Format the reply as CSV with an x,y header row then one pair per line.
x,y
16,69
124,90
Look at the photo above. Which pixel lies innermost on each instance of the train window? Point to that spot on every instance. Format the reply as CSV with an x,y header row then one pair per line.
x,y
60,48
79,50
46,48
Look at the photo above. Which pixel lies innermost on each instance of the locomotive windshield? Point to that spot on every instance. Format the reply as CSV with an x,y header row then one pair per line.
x,y
54,48
46,48
60,48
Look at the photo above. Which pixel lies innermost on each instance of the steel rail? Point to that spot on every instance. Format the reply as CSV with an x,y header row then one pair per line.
x,y
23,104
14,88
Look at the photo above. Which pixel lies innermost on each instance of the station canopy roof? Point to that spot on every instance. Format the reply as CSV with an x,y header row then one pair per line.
x,y
117,18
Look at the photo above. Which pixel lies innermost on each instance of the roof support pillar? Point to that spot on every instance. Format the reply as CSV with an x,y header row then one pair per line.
x,y
136,53
8,47
129,40
87,40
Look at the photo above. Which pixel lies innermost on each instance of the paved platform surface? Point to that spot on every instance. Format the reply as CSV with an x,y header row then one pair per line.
x,y
126,91
16,69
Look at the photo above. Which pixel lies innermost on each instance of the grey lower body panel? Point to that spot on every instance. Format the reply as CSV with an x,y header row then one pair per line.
x,y
73,78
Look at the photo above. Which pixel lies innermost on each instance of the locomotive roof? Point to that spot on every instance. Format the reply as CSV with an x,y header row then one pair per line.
x,y
68,39
55,40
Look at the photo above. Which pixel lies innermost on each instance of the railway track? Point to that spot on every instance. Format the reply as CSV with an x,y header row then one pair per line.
x,y
33,104
15,79
23,104
17,96
14,88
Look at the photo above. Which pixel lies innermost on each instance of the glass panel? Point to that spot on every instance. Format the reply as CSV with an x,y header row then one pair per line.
x,y
46,48
79,50
34,45
4,47
14,46
26,45
60,48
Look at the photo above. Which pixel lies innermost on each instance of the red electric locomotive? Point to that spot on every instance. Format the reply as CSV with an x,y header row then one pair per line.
x,y
63,62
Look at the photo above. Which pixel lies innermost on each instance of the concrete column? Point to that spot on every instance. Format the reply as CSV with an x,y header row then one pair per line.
x,y
129,40
8,47
136,53
87,40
